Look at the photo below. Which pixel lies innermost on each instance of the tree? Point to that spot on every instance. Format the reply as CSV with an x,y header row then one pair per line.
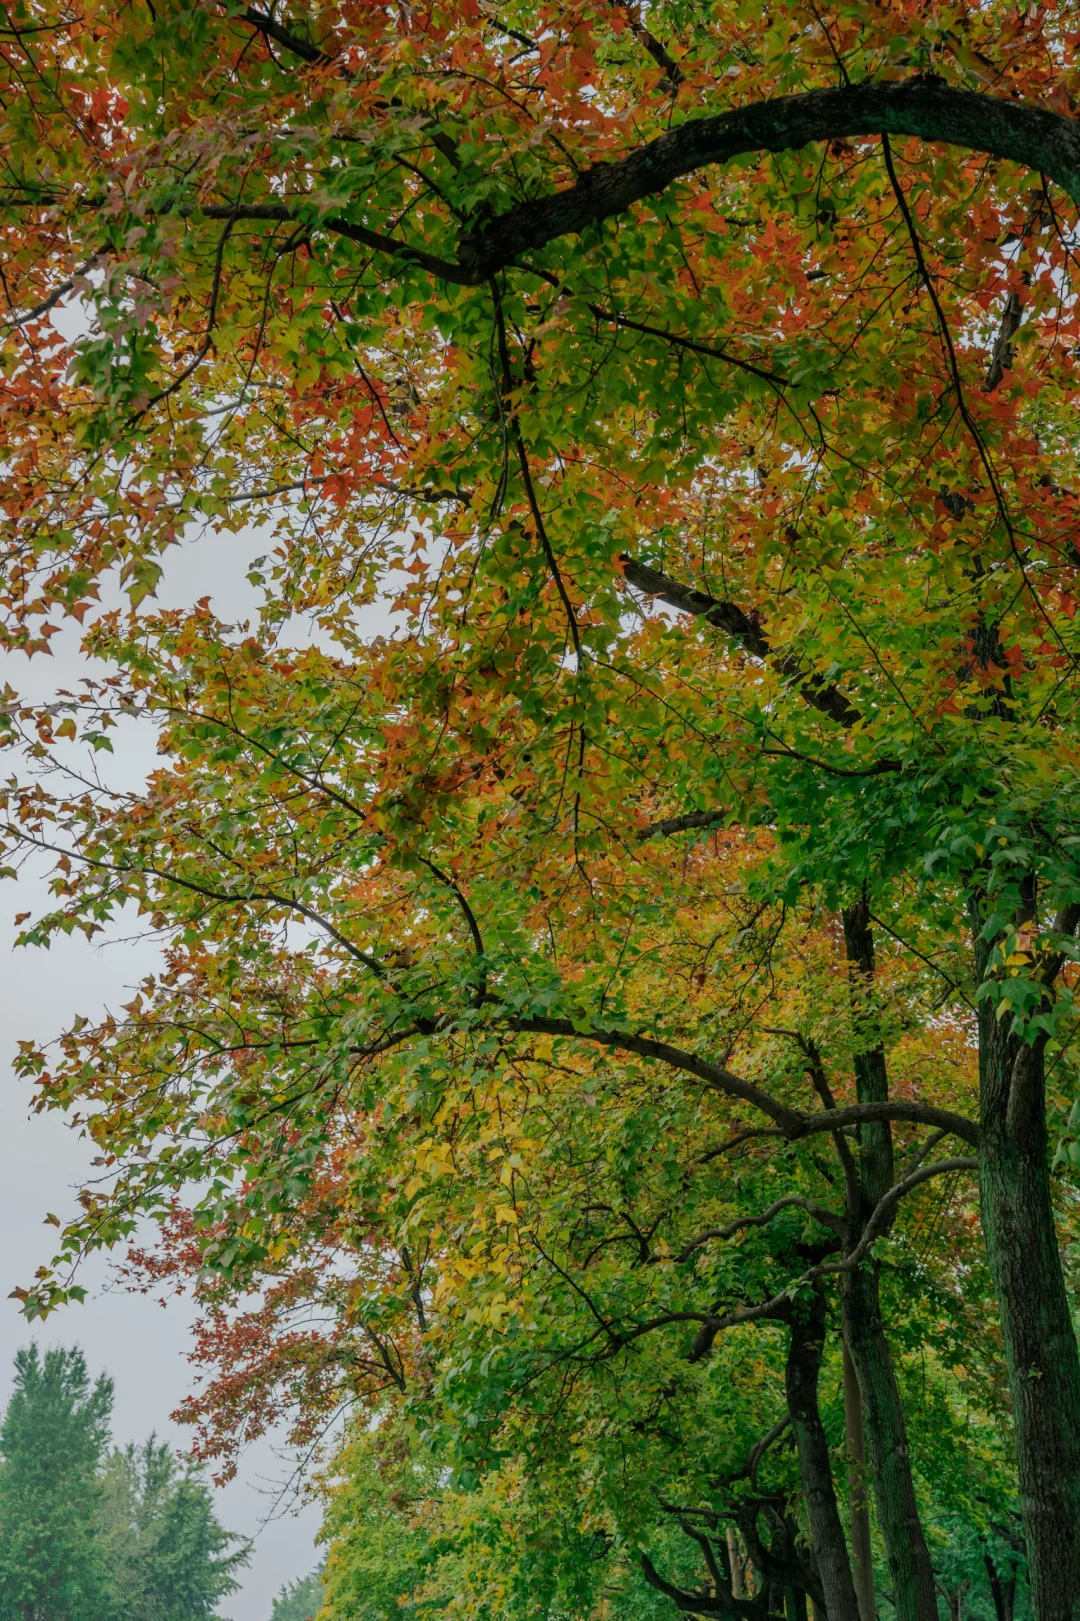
x,y
52,1440
168,1557
300,1601
538,312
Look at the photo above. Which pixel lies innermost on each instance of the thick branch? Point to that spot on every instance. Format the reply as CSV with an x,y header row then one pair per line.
x,y
1001,355
793,1124
695,1603
734,622
1045,142
681,824
714,1075
283,37
922,1114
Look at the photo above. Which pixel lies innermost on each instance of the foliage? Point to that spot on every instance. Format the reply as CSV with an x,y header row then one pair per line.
x,y
300,1600
612,964
52,1441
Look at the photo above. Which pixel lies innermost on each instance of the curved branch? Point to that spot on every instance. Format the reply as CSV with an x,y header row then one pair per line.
x,y
790,1201
759,1448
714,1075
1045,142
694,1603
922,1114
882,1212
712,1323
923,106
793,1124
470,919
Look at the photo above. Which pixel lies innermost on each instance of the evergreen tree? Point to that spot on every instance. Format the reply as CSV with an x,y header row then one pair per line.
x,y
54,1433
300,1601
168,1558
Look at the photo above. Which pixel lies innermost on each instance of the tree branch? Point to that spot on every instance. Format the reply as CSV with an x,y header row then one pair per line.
x,y
681,824
790,1201
714,1075
673,73
924,106
282,36
734,622
1001,355
281,214
793,1124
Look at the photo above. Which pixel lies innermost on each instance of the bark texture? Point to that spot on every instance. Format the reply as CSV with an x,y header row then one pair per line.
x,y
826,1531
1040,1346
923,106
861,1546
914,1592
887,1446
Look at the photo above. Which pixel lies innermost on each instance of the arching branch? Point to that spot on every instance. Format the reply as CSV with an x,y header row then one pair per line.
x,y
793,1124
924,106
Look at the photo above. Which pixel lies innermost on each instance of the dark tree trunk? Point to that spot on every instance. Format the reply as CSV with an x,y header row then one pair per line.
x,y
819,1496
871,1075
914,1592
795,1606
1002,1592
858,1493
1040,1346
890,1462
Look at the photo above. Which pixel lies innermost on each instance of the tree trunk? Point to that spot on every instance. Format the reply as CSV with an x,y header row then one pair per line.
x,y
1040,1346
826,1530
890,1463
914,1593
795,1604
738,1588
1002,1592
871,1074
861,1547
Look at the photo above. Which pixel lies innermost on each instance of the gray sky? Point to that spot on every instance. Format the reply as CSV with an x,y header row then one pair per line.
x,y
141,1344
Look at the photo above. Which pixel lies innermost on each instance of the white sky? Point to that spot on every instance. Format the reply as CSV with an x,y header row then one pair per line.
x,y
138,1342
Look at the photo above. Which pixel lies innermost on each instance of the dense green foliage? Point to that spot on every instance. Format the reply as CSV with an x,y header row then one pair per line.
x,y
52,1446
300,1600
89,1534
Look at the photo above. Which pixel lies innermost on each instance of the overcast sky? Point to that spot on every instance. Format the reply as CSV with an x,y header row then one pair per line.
x,y
142,1345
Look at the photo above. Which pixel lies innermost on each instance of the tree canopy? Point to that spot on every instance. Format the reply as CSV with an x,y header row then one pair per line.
x,y
654,954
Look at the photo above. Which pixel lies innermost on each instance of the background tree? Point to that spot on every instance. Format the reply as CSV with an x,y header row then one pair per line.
x,y
168,1558
52,1442
91,1535
300,1600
